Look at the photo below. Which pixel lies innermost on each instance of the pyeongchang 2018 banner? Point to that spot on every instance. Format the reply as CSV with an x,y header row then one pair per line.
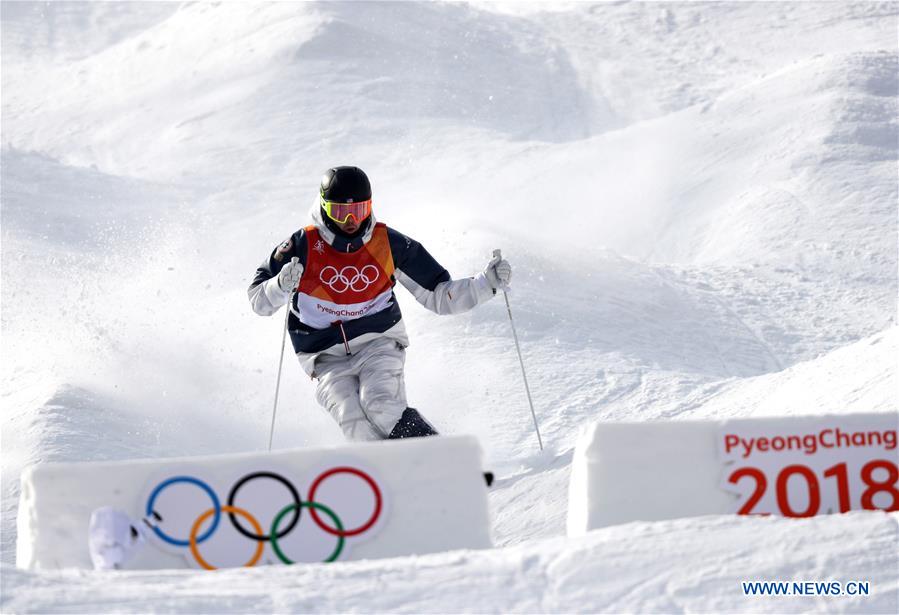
x,y
806,466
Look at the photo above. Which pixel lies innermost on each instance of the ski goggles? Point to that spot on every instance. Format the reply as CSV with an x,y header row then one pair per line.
x,y
341,212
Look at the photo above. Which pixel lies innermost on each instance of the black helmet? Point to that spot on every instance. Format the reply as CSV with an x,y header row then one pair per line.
x,y
345,185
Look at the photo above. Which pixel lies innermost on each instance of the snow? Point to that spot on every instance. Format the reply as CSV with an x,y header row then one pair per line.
x,y
638,567
698,201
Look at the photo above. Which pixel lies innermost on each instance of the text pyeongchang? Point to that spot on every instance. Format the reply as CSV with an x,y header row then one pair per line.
x,y
810,443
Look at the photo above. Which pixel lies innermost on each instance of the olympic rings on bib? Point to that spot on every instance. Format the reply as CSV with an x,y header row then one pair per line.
x,y
348,278
256,533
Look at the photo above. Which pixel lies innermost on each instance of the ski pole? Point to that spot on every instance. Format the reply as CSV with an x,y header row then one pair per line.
x,y
498,254
271,433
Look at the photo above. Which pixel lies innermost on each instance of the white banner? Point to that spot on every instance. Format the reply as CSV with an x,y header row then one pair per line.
x,y
805,468
358,501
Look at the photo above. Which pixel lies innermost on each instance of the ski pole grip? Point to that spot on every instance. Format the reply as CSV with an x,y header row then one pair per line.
x,y
497,255
294,261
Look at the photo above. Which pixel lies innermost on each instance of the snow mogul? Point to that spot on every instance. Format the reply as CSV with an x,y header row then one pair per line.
x,y
337,275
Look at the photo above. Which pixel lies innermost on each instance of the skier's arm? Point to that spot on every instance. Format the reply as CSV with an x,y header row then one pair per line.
x,y
430,283
265,293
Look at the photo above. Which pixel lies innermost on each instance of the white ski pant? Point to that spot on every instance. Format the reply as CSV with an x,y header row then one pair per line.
x,y
364,392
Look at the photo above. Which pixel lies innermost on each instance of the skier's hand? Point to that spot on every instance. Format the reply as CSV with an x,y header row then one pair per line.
x,y
498,272
289,278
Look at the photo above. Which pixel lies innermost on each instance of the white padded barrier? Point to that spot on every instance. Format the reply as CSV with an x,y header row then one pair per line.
x,y
393,498
791,466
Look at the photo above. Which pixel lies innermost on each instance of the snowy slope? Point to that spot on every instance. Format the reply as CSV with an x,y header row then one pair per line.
x,y
860,375
637,567
698,200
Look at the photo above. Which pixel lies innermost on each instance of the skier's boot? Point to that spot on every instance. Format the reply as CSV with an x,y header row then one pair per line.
x,y
411,425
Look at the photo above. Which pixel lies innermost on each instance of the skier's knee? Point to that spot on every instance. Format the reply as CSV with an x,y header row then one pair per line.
x,y
336,390
383,400
384,389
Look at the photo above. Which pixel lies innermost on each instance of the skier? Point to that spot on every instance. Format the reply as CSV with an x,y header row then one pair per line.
x,y
344,322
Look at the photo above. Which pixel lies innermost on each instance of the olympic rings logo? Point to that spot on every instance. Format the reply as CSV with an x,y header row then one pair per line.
x,y
349,278
282,524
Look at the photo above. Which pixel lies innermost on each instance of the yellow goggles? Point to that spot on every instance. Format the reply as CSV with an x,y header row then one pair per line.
x,y
341,212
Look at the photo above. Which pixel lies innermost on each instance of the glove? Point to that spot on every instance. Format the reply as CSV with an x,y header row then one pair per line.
x,y
290,275
498,272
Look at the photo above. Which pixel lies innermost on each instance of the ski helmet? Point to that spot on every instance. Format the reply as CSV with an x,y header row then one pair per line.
x,y
345,185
